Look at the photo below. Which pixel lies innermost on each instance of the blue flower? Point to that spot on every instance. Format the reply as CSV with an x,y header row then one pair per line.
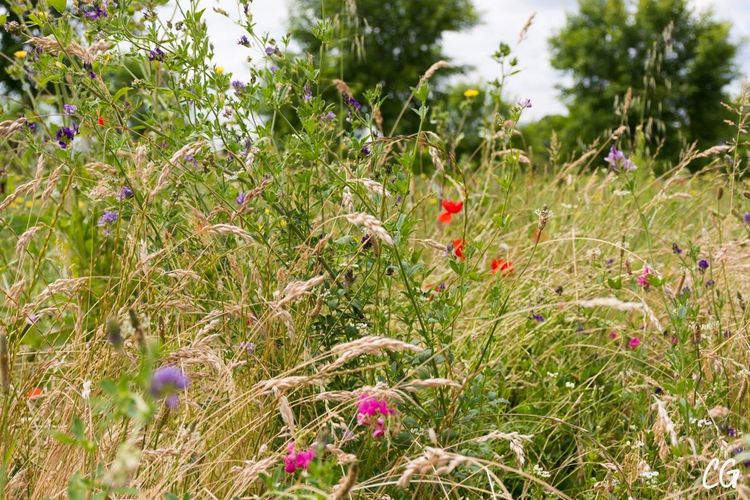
x,y
166,382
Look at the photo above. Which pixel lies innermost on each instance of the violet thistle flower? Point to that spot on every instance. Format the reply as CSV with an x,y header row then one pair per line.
x,y
702,265
69,109
166,383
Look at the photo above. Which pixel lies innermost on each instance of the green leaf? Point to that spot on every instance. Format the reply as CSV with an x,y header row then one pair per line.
x,y
120,93
58,5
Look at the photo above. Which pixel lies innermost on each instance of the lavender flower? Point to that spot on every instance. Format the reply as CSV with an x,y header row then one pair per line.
x,y
241,198
703,265
69,109
244,41
124,193
166,382
270,50
617,160
330,116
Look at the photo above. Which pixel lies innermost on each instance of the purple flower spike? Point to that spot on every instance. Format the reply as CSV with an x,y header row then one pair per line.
x,y
618,161
69,109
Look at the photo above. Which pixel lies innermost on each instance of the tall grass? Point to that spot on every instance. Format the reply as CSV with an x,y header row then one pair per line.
x,y
221,290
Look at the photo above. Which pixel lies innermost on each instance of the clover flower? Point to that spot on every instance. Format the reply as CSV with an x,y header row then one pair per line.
x,y
166,383
451,208
642,279
369,408
297,460
634,342
617,160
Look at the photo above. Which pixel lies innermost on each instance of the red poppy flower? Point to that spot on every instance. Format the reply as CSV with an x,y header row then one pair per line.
x,y
504,267
34,393
100,121
458,248
450,207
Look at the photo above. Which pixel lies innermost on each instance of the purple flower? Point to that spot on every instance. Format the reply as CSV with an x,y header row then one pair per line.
x,y
97,11
107,219
676,249
351,101
238,86
31,126
156,55
703,265
538,318
65,135
365,150
617,160
241,198
244,41
270,50
273,68
69,109
524,103
88,67
166,382
306,93
746,217
709,283
330,116
124,193
249,347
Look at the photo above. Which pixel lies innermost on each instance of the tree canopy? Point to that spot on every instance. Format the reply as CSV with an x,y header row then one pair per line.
x,y
677,61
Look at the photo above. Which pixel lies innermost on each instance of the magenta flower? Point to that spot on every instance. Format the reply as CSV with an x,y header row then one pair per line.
x,y
643,278
295,460
613,334
634,342
370,407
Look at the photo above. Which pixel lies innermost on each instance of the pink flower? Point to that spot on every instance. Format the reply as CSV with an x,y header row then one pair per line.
x,y
643,278
295,461
634,342
613,334
370,406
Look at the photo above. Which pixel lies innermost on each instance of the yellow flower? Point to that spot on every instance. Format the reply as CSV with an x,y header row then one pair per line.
x,y
20,54
220,70
282,223
28,204
471,93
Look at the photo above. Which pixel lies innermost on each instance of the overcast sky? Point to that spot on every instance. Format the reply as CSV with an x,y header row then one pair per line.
x,y
501,22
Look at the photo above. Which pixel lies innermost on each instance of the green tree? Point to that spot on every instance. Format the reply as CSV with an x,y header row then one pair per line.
x,y
389,43
676,61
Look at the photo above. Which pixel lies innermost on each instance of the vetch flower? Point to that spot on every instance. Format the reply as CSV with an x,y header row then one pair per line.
x,y
634,342
365,150
469,93
502,266
370,407
617,160
295,460
97,11
450,207
69,109
241,198
537,317
167,382
65,135
643,278
238,86
156,54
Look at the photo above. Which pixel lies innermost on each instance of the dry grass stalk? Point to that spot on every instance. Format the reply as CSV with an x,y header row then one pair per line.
x,y
187,151
371,225
416,385
283,384
342,87
255,192
297,289
347,200
52,46
253,469
434,461
228,230
373,186
663,429
54,177
434,69
514,439
25,239
345,484
286,412
370,344
9,127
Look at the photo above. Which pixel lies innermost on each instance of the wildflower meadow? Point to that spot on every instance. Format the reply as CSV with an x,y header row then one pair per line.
x,y
214,287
